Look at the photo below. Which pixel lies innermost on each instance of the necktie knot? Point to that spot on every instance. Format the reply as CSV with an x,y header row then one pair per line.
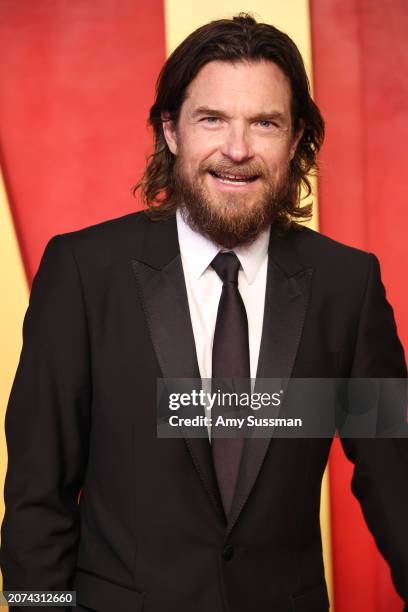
x,y
227,267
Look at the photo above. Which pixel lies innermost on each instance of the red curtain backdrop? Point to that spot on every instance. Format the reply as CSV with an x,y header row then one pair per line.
x,y
360,63
77,82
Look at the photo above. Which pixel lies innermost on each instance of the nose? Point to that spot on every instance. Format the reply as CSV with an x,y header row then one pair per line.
x,y
237,145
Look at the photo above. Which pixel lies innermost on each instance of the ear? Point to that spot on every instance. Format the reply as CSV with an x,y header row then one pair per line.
x,y
296,138
170,133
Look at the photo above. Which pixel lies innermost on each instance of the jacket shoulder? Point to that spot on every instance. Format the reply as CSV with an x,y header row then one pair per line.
x,y
119,230
102,243
319,249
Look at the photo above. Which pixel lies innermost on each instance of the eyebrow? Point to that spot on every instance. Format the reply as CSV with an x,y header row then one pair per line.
x,y
264,116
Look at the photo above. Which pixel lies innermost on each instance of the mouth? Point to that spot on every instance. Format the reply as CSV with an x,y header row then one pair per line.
x,y
234,178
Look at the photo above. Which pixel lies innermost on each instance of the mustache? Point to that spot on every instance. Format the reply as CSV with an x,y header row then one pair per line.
x,y
244,170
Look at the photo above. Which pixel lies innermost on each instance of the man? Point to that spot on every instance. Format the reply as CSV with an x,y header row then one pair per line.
x,y
216,279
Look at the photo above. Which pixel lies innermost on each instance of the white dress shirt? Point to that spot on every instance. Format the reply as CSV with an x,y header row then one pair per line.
x,y
204,290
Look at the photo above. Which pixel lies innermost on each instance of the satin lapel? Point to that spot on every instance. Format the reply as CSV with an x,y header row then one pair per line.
x,y
160,280
286,299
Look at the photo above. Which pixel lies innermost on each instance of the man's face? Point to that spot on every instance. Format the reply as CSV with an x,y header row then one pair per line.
x,y
233,143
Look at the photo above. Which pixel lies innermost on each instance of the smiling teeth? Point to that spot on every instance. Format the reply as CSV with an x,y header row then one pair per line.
x,y
232,181
232,178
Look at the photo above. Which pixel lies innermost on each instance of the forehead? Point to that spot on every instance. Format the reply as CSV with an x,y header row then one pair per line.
x,y
243,87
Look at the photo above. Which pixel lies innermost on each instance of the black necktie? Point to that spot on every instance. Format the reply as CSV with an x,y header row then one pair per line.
x,y
230,359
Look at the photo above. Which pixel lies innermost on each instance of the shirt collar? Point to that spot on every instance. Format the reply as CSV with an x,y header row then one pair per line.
x,y
198,251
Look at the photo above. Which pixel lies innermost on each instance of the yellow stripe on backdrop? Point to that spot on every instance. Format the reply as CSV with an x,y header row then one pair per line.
x,y
13,304
293,17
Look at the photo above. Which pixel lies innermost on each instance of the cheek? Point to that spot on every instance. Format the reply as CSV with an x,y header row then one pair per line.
x,y
190,168
198,145
277,161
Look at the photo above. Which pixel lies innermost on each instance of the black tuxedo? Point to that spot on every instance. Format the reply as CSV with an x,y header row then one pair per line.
x,y
109,315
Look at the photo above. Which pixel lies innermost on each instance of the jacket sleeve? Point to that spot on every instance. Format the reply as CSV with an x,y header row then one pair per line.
x,y
47,426
381,465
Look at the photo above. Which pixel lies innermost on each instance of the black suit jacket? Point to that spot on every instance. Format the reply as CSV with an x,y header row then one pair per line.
x,y
109,315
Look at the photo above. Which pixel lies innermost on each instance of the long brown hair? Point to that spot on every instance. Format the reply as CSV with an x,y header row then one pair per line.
x,y
232,40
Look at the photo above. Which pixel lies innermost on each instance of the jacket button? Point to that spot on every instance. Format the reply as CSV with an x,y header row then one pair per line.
x,y
228,553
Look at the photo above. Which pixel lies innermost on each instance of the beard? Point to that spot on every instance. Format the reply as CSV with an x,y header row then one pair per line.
x,y
230,219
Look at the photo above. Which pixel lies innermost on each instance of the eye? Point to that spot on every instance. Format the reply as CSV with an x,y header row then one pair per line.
x,y
266,123
210,120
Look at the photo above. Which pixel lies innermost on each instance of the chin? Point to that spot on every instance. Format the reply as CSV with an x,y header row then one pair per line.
x,y
233,210
236,201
